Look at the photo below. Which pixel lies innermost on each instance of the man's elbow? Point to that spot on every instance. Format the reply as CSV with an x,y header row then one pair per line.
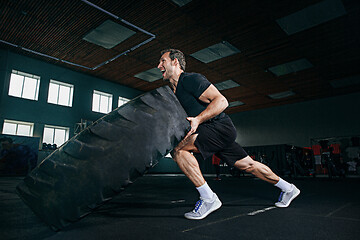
x,y
225,102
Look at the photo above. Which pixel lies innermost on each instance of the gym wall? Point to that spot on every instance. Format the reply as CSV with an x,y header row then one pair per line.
x,y
296,124
41,112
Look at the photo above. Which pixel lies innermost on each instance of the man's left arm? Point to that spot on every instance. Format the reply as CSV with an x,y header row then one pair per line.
x,y
217,104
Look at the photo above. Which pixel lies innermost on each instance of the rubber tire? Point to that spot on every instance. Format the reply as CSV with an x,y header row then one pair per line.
x,y
105,158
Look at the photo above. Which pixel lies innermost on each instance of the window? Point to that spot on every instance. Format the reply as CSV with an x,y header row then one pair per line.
x,y
122,101
18,128
57,135
102,102
24,85
60,93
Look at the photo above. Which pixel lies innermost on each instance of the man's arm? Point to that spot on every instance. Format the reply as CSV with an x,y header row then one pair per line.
x,y
217,104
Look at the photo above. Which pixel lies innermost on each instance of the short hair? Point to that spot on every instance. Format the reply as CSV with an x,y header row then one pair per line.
x,y
175,53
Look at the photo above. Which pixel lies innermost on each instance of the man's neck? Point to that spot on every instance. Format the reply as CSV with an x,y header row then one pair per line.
x,y
175,79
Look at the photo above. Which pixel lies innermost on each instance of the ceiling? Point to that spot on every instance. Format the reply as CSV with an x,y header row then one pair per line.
x,y
57,28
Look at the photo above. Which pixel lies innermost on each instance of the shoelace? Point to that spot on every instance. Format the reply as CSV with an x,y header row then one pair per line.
x,y
198,205
280,197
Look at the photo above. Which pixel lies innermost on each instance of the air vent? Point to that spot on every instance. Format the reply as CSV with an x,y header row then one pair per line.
x,y
290,67
312,16
215,52
109,34
150,75
226,85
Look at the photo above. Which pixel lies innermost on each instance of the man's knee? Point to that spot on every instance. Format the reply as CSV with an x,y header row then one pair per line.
x,y
250,168
177,154
174,154
247,164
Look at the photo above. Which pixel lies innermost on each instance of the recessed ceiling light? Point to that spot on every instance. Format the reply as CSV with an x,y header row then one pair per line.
x,y
181,3
150,75
281,95
235,103
312,16
109,34
215,52
290,67
346,82
226,85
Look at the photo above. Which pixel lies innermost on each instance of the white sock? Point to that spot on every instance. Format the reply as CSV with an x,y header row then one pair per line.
x,y
283,185
205,191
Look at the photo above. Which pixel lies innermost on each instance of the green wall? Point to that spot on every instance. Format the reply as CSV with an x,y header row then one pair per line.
x,y
298,123
40,112
293,124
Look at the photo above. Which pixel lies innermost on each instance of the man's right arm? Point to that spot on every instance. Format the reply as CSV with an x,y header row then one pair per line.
x,y
217,104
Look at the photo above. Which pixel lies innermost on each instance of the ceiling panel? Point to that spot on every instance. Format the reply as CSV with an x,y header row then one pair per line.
x,y
53,30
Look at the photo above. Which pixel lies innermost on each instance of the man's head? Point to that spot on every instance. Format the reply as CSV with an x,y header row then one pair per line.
x,y
174,53
170,62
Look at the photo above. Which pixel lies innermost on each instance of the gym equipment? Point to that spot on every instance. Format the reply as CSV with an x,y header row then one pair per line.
x,y
103,159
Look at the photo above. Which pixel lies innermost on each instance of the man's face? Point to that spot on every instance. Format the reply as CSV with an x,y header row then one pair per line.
x,y
166,66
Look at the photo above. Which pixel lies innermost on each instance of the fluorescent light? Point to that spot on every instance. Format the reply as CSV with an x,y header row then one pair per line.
x,y
312,16
150,75
108,34
281,95
181,3
226,85
346,82
235,103
290,67
215,52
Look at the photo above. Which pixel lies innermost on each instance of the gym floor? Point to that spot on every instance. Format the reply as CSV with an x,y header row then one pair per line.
x,y
153,208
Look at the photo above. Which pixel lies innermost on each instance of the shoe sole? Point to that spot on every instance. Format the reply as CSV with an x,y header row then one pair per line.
x,y
216,207
284,206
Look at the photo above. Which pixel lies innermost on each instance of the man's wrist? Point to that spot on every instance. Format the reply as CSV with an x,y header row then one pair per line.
x,y
199,119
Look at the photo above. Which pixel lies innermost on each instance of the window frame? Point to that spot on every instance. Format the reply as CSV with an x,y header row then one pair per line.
x,y
123,100
24,76
71,93
67,133
110,99
31,132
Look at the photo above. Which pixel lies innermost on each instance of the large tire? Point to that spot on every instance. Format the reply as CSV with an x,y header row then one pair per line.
x,y
102,160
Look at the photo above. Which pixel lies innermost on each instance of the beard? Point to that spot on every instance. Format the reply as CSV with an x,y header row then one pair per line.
x,y
166,78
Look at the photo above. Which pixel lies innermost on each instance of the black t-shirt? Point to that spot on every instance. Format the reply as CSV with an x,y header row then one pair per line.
x,y
189,88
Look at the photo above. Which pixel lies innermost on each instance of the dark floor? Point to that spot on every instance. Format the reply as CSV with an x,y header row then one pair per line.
x,y
153,207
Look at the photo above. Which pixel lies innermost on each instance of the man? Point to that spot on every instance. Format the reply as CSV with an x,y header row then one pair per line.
x,y
212,131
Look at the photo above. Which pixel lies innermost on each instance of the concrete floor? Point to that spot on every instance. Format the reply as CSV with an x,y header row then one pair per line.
x,y
153,208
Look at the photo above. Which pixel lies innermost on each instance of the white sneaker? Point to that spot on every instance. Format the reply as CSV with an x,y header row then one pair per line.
x,y
285,198
204,207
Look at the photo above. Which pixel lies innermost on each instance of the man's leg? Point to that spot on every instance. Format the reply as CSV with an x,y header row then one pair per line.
x,y
188,164
289,191
257,169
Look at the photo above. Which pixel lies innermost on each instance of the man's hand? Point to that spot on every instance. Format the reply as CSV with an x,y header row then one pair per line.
x,y
194,123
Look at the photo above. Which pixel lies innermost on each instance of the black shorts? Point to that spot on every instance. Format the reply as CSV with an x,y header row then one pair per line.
x,y
218,137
